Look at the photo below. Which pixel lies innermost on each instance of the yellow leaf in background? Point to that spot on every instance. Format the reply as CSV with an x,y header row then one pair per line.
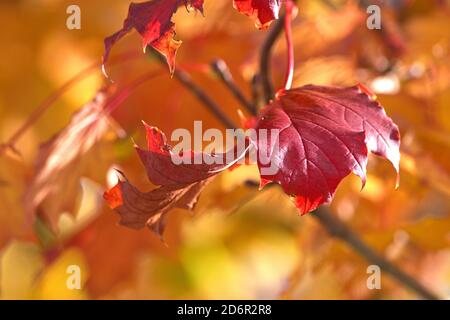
x,y
91,202
65,277
20,266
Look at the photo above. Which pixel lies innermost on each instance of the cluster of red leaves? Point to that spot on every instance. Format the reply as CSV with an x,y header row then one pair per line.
x,y
179,176
325,133
264,11
153,21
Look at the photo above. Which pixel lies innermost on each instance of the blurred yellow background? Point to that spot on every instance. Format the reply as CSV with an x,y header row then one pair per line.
x,y
241,243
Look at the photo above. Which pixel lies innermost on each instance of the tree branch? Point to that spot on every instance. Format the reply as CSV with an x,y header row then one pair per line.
x,y
186,80
338,229
220,68
266,53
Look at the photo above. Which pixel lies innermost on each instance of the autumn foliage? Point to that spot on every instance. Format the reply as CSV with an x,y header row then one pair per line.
x,y
362,157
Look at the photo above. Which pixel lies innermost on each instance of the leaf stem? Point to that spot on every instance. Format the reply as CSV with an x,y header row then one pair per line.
x,y
124,93
266,53
289,76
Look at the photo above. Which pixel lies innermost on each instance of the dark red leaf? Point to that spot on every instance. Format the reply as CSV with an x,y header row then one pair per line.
x,y
139,209
180,183
264,11
153,20
325,133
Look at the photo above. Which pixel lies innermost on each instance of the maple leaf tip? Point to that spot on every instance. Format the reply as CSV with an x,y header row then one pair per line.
x,y
397,182
160,237
262,183
9,149
363,183
242,117
120,175
135,145
105,74
364,89
114,197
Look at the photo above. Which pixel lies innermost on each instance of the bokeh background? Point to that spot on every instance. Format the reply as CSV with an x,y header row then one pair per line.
x,y
240,243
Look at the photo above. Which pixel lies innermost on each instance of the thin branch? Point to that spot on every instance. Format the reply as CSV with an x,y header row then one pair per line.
x,y
338,229
266,53
186,80
221,69
256,93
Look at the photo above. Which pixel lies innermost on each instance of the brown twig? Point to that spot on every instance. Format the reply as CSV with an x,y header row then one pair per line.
x,y
256,92
338,229
201,95
186,80
221,69
266,53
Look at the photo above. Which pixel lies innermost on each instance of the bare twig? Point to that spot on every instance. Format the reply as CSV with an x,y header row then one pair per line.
x,y
266,53
256,92
186,80
220,68
201,95
338,229
265,56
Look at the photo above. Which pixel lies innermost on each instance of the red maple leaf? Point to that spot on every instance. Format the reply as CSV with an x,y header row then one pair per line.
x,y
324,134
264,11
180,182
153,21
